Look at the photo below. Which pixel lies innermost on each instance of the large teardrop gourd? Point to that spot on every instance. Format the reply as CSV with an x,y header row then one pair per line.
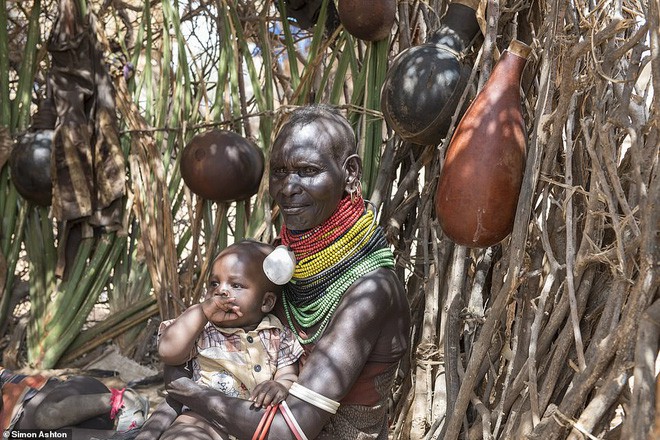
x,y
369,20
480,179
424,83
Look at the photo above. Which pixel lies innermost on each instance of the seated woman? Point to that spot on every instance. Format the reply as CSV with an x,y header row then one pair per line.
x,y
345,302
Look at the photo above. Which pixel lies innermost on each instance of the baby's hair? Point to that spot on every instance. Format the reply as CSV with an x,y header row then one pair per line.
x,y
258,250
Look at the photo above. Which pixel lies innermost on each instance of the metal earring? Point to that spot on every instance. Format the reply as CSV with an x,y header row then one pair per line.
x,y
356,191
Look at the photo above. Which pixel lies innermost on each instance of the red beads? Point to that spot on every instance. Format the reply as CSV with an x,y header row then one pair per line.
x,y
312,241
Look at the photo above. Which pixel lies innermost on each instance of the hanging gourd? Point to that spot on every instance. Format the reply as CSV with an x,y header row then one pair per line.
x,y
29,161
484,165
369,20
222,166
424,84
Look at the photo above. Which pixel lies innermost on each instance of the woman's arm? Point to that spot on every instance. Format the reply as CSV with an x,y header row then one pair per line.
x,y
168,410
372,303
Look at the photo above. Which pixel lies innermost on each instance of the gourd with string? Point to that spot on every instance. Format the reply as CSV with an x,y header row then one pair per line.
x,y
480,179
424,84
29,161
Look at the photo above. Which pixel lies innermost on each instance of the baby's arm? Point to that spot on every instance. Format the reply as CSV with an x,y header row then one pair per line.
x,y
177,337
177,340
272,392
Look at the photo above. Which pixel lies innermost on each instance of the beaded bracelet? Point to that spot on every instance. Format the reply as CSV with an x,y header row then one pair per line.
x,y
314,398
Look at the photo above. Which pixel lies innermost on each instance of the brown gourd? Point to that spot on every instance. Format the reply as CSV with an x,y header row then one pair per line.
x,y
480,180
369,20
222,166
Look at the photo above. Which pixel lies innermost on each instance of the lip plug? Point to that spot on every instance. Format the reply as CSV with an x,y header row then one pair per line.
x,y
279,265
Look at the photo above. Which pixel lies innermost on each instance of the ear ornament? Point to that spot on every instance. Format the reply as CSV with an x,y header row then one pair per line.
x,y
279,265
356,191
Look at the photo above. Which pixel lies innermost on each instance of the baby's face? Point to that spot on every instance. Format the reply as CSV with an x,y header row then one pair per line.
x,y
235,275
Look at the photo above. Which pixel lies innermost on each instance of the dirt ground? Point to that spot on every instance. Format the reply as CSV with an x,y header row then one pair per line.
x,y
117,371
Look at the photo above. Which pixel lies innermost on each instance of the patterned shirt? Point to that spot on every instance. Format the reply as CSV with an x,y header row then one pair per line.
x,y
234,361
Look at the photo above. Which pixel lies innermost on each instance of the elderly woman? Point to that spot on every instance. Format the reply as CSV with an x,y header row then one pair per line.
x,y
345,302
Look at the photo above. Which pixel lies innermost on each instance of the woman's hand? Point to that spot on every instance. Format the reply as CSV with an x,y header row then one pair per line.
x,y
220,308
268,393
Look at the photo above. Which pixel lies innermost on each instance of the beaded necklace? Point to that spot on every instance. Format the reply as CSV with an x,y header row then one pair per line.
x,y
309,242
324,272
326,258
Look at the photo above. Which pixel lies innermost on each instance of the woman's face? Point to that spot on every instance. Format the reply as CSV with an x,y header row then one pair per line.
x,y
305,179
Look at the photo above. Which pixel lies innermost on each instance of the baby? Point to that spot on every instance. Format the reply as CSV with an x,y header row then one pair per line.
x,y
232,341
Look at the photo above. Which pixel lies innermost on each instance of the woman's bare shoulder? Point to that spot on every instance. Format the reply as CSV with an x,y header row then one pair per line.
x,y
380,289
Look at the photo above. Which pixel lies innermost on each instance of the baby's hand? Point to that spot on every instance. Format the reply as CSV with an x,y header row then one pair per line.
x,y
268,393
219,308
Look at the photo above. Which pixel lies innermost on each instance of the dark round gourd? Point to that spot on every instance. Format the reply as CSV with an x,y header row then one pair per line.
x,y
29,165
222,166
369,20
30,158
424,84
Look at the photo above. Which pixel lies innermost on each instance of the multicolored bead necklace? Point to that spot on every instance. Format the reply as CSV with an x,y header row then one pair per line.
x,y
331,257
312,241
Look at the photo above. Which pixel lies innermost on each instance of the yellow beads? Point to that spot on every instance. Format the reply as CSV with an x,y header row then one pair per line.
x,y
342,248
